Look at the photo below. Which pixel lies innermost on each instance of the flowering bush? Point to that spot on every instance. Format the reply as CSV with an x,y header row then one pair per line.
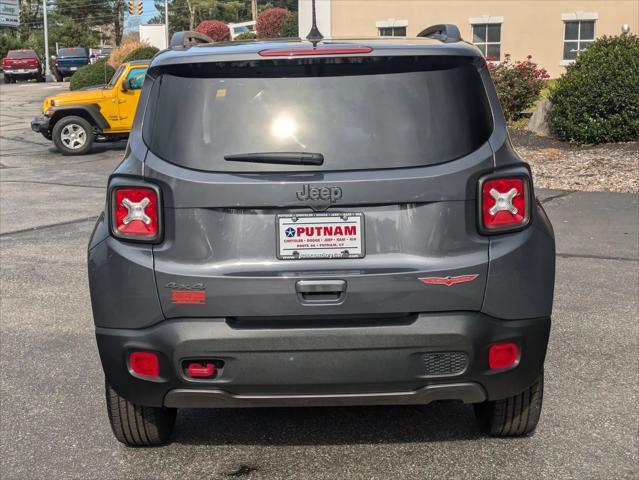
x,y
518,85
214,29
271,22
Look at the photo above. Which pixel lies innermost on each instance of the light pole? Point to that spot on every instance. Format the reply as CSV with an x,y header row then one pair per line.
x,y
166,22
47,70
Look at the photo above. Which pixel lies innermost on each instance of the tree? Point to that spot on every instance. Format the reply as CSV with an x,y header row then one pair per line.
x,y
214,29
270,23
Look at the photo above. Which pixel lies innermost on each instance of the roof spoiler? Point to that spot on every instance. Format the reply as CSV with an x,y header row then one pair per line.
x,y
446,33
187,38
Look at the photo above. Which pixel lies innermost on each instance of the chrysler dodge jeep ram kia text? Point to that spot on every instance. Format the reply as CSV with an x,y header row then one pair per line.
x,y
321,223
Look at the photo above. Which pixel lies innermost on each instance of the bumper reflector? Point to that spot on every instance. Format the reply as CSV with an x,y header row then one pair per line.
x,y
200,370
145,364
503,355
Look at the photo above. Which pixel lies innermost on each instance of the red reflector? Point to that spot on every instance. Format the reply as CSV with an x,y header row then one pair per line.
x,y
298,52
145,364
504,203
188,297
136,212
198,370
503,355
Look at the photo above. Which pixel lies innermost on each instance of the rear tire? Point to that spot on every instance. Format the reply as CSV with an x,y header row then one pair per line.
x,y
7,79
58,77
513,416
138,426
40,79
73,135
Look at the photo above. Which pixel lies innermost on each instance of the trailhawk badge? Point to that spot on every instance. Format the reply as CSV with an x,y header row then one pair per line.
x,y
319,198
448,281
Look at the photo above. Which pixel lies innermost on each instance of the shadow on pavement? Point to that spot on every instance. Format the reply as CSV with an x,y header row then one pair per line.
x,y
443,421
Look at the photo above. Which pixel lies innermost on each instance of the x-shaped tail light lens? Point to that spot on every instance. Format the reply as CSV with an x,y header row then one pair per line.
x,y
135,213
504,204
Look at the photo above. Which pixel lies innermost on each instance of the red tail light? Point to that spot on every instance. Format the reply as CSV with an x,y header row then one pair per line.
x,y
55,62
505,204
135,213
295,52
145,364
503,355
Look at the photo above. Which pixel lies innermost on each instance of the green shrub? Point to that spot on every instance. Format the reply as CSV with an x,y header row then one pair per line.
x,y
597,99
8,42
290,29
142,53
246,36
518,85
98,73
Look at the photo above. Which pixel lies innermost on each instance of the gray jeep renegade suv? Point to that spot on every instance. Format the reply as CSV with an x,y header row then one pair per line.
x,y
321,223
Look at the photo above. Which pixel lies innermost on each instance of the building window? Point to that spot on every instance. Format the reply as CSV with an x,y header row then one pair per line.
x,y
487,37
392,31
391,28
578,35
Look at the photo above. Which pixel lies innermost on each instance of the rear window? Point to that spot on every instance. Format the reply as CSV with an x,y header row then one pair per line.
x,y
22,54
73,52
359,113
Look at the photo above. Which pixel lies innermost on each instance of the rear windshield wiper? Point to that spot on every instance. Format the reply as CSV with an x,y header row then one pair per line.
x,y
284,158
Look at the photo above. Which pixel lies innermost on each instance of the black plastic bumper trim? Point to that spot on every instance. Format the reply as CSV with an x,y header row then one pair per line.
x,y
192,398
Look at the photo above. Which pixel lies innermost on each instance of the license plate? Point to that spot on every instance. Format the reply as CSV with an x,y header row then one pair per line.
x,y
20,70
312,236
73,69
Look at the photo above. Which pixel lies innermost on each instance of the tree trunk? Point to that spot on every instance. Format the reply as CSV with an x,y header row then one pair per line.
x,y
118,23
191,15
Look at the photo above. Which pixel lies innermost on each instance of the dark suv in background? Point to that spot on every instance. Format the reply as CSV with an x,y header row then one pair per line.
x,y
321,223
68,60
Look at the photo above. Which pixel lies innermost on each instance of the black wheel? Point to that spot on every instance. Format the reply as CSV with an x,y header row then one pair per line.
x,y
58,77
73,135
514,416
40,79
137,426
7,79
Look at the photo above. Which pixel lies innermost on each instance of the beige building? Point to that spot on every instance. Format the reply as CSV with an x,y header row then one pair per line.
x,y
552,31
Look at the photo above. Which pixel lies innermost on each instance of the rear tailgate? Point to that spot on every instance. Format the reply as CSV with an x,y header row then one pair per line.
x,y
404,141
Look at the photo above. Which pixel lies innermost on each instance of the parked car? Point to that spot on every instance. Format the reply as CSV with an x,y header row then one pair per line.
x,y
68,60
22,64
99,53
321,223
74,120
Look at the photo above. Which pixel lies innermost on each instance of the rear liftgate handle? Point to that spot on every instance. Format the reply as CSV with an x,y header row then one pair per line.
x,y
321,292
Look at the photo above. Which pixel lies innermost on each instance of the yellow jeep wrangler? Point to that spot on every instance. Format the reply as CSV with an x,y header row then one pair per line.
x,y
74,120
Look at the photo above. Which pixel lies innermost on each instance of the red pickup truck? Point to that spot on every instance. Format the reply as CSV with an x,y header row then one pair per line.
x,y
22,64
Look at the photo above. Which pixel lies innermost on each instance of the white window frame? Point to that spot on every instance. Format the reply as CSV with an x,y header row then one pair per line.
x,y
486,20
391,23
578,16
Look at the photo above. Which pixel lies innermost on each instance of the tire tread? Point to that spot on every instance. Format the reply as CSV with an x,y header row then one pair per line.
x,y
136,425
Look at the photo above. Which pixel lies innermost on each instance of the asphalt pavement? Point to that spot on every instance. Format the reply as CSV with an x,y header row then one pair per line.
x,y
53,421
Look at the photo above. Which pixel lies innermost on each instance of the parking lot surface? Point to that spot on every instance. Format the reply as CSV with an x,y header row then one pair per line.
x,y
52,413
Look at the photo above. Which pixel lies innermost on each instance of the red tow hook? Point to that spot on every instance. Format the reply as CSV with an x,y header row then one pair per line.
x,y
197,370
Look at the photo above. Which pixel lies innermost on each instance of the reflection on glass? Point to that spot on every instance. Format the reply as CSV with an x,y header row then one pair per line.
x,y
284,127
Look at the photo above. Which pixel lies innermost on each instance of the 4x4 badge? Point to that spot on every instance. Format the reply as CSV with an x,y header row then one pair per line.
x,y
319,198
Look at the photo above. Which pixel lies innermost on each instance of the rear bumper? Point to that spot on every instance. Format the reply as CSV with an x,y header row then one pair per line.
x,y
371,364
23,73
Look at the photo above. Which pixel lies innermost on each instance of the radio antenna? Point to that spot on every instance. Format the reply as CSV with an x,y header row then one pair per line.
x,y
314,35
